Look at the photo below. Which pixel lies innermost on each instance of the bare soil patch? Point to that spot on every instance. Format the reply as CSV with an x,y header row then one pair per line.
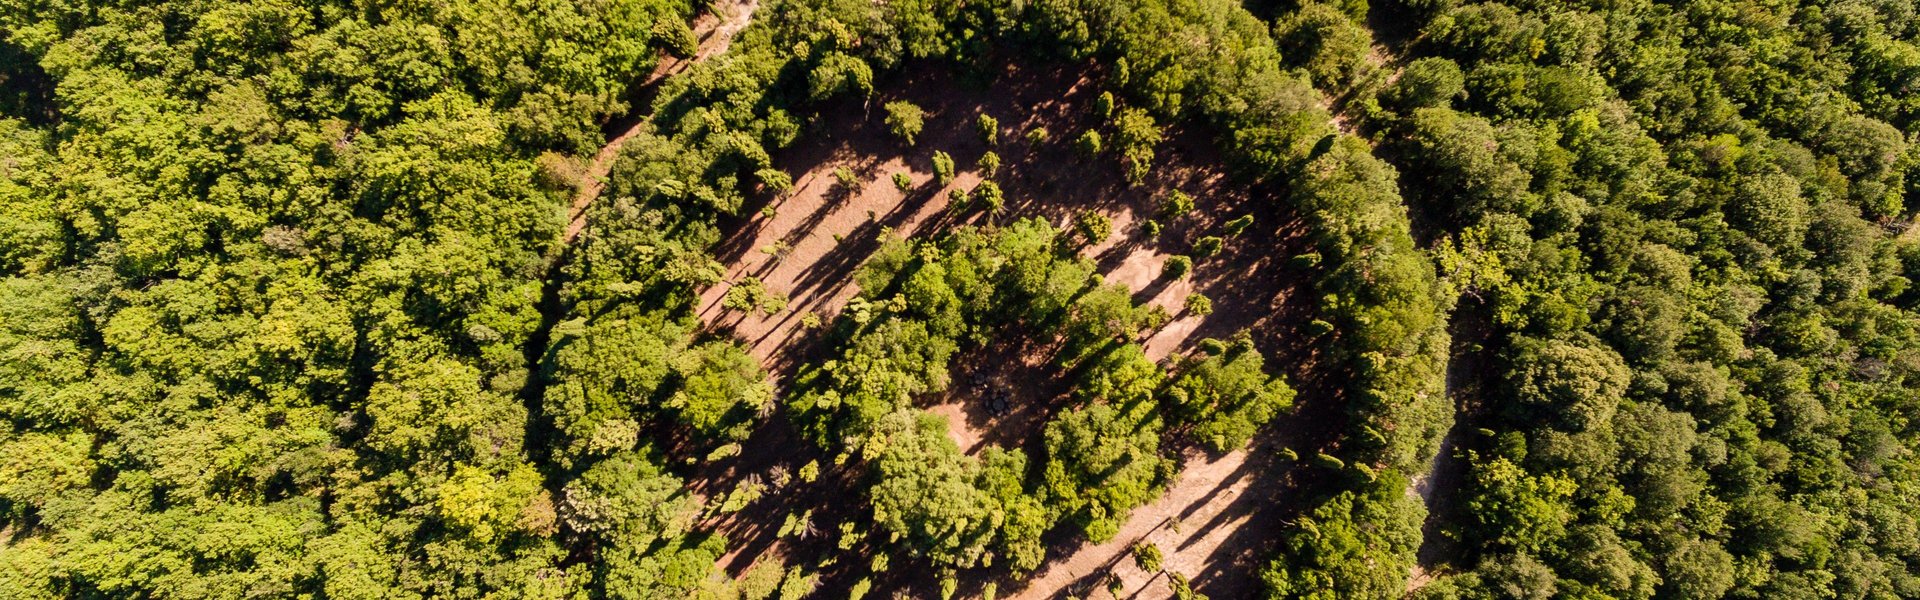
x,y
1215,519
1003,394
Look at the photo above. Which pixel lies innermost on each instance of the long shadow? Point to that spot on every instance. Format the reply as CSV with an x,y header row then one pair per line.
x,y
1469,371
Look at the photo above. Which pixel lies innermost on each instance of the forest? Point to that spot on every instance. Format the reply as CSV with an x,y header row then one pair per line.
x,y
750,299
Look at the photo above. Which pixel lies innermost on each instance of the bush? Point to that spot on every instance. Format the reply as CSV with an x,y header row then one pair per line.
x,y
1239,225
989,164
1198,304
1093,226
846,178
1207,246
942,168
1089,144
987,196
1147,555
1176,266
903,181
1176,204
989,129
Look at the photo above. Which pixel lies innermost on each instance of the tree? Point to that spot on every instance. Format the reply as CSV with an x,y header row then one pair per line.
x,y
905,120
673,34
942,168
722,391
1104,462
839,73
1356,544
1176,204
1227,397
989,163
1329,46
1462,154
1207,246
750,294
925,492
987,195
1509,508
1429,82
1136,134
1577,386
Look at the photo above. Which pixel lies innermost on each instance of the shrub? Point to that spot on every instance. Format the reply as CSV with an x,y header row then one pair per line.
x,y
989,164
902,181
1089,144
1176,204
1207,246
989,129
1176,266
847,179
1199,304
1093,226
942,168
1236,226
1147,555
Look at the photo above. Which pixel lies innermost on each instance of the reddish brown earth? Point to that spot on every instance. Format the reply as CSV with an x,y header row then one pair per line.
x,y
1215,518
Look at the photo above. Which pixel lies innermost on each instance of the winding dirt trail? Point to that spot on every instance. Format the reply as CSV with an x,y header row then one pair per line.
x,y
715,30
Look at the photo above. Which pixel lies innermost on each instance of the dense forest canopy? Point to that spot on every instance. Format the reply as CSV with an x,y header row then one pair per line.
x,y
309,298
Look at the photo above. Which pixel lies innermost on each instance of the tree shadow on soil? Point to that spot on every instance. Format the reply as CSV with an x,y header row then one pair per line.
x,y
1255,285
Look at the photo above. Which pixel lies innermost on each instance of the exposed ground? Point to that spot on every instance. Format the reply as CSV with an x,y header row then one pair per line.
x,y
1216,517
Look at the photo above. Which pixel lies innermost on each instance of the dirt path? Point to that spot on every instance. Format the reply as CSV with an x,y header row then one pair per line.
x,y
715,30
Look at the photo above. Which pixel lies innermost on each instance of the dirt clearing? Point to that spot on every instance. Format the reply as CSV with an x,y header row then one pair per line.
x,y
1213,521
